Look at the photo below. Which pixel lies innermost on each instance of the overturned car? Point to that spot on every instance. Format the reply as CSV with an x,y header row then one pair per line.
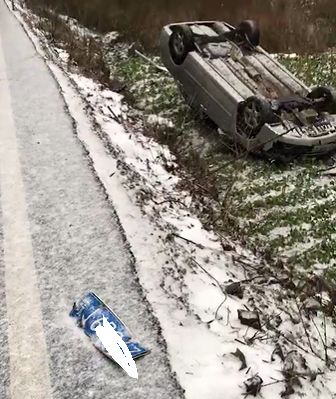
x,y
251,97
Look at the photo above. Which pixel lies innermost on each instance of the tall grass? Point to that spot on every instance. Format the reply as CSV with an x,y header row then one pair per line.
x,y
287,25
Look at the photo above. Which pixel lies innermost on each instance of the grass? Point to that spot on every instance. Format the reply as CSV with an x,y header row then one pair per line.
x,y
286,25
314,70
154,93
286,211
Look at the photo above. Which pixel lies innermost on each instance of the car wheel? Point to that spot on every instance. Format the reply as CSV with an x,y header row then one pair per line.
x,y
181,42
250,31
252,114
327,96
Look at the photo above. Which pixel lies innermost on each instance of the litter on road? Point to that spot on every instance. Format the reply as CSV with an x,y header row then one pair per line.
x,y
90,312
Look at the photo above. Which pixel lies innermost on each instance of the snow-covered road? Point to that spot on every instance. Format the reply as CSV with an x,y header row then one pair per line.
x,y
59,237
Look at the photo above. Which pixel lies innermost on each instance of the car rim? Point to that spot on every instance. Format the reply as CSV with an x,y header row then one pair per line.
x,y
178,43
252,116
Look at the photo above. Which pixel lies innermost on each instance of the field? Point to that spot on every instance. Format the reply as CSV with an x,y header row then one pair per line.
x,y
282,210
274,218
286,210
301,26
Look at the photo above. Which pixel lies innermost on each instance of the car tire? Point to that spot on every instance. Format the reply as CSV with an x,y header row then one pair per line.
x,y
181,42
250,31
329,96
252,114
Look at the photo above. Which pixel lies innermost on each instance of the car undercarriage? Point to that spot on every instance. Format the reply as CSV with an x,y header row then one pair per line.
x,y
244,90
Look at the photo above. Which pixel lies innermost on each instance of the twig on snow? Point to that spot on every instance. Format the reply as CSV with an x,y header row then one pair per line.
x,y
228,317
323,340
219,306
200,246
297,345
273,383
218,284
114,115
170,200
241,342
305,329
210,275
158,67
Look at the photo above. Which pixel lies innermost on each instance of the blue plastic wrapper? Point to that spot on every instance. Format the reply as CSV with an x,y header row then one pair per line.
x,y
89,312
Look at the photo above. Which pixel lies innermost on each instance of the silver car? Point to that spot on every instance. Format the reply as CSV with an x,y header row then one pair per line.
x,y
247,92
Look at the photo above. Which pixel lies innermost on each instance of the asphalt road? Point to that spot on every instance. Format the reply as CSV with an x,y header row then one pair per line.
x,y
59,237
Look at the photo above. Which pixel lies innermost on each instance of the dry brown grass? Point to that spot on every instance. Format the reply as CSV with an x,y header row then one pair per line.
x,y
287,25
85,52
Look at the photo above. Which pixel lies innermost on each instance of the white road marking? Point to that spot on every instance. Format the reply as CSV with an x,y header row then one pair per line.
x,y
29,369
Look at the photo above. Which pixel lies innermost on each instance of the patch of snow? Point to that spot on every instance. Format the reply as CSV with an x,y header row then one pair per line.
x,y
181,266
291,56
302,247
62,54
279,232
110,37
159,121
76,27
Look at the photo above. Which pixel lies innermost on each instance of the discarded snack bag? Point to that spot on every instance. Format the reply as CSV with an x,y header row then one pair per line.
x,y
89,312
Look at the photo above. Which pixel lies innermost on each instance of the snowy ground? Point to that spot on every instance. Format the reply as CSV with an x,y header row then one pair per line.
x,y
185,270
59,236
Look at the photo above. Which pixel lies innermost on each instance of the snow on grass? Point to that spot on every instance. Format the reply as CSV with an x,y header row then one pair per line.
x,y
73,24
184,269
260,191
